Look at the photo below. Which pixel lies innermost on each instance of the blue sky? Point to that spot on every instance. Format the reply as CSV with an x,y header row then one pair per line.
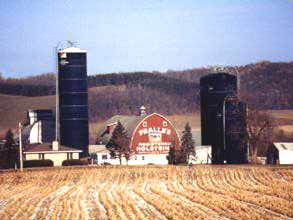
x,y
137,35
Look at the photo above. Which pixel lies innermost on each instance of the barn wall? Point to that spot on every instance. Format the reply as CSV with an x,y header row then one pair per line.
x,y
154,135
136,159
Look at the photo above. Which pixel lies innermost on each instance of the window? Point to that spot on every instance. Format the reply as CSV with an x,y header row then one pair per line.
x,y
142,157
104,157
69,156
165,124
144,124
41,156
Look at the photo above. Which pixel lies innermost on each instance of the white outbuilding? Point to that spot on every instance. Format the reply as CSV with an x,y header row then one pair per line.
x,y
101,155
203,155
280,153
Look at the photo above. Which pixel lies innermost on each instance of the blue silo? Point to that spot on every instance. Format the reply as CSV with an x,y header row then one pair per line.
x,y
73,98
214,88
235,128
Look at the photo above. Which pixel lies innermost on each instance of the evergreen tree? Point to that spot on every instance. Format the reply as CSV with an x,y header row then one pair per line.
x,y
172,154
10,149
187,143
119,143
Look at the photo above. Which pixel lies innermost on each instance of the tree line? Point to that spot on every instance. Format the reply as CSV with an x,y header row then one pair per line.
x,y
267,84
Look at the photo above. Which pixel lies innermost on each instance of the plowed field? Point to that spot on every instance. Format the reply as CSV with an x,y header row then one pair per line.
x,y
203,192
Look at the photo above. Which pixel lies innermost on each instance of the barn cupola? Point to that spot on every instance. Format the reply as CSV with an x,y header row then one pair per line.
x,y
143,111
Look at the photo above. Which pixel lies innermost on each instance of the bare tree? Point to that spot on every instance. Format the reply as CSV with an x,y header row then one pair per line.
x,y
260,132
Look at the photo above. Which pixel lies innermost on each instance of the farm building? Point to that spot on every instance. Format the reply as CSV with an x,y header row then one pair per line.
x,y
56,153
40,127
203,155
151,137
101,155
280,153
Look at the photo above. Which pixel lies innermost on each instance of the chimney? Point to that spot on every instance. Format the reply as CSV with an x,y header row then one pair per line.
x,y
55,145
142,111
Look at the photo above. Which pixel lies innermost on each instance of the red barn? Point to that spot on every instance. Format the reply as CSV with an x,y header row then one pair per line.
x,y
151,138
154,134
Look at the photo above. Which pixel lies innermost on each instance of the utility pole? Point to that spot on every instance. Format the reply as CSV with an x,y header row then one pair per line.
x,y
57,96
224,126
20,147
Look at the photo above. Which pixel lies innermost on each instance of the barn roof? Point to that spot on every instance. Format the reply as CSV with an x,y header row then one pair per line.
x,y
128,122
284,146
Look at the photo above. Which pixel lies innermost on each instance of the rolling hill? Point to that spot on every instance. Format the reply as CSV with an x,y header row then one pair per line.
x,y
264,85
13,109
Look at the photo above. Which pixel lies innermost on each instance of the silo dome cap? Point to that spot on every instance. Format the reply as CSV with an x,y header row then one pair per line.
x,y
72,50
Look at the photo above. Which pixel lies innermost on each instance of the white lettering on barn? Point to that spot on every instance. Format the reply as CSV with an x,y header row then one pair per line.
x,y
149,147
158,130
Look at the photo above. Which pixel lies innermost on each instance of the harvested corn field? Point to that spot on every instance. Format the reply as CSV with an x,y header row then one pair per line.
x,y
203,192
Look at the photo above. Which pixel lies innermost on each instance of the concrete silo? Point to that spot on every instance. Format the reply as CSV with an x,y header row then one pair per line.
x,y
73,98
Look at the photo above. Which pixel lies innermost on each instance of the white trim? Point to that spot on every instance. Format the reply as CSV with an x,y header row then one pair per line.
x,y
72,50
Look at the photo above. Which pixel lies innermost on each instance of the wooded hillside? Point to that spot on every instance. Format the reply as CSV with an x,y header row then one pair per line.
x,y
264,85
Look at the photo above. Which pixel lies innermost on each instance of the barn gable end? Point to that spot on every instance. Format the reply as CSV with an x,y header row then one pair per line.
x,y
154,134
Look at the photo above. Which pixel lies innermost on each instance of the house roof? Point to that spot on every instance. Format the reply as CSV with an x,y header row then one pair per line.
x,y
284,146
47,147
98,149
128,122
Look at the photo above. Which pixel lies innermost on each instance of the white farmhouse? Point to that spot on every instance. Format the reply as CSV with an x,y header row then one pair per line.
x,y
54,152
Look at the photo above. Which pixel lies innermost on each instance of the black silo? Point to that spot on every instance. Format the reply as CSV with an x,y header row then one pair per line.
x,y
73,99
214,88
236,143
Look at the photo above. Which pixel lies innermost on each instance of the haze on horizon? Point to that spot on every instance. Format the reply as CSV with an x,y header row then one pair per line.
x,y
153,35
